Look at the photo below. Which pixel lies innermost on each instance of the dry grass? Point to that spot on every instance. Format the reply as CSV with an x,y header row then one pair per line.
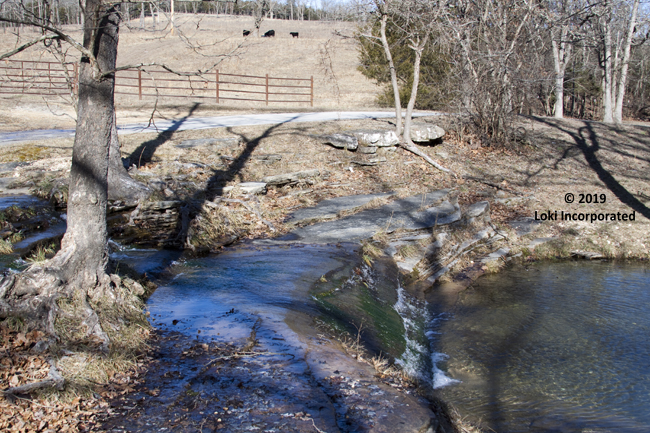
x,y
330,59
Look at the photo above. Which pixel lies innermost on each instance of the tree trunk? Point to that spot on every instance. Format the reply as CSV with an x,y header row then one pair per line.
x,y
418,48
608,74
618,109
79,268
393,76
561,54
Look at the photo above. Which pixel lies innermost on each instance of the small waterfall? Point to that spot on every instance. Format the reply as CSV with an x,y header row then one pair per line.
x,y
418,360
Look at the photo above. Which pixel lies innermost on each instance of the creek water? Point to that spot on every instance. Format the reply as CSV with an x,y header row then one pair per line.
x,y
559,347
222,296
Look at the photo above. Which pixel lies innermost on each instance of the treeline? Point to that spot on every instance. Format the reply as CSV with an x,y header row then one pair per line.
x,y
496,59
64,12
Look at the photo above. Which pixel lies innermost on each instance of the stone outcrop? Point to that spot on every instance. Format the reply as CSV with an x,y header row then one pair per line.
x,y
375,138
425,132
340,141
368,141
333,207
420,229
412,213
155,223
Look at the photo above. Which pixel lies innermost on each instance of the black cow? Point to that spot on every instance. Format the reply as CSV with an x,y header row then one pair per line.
x,y
269,34
246,32
294,34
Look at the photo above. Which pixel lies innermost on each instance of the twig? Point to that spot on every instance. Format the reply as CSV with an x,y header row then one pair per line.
x,y
238,355
54,380
317,429
492,184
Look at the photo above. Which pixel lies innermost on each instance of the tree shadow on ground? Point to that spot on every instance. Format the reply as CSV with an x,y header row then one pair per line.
x,y
587,141
143,154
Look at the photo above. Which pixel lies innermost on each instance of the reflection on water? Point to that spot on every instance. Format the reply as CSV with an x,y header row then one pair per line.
x,y
552,347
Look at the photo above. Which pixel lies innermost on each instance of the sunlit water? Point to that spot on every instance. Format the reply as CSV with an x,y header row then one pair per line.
x,y
222,296
561,347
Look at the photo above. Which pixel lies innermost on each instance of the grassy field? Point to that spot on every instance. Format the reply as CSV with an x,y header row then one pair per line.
x,y
324,50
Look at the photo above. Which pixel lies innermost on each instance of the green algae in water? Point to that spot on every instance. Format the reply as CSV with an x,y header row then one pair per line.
x,y
363,303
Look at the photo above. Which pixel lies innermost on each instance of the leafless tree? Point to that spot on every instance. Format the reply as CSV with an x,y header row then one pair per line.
x,y
490,36
564,19
615,24
415,20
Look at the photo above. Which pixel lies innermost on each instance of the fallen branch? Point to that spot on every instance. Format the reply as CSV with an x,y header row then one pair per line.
x,y
54,380
492,184
414,149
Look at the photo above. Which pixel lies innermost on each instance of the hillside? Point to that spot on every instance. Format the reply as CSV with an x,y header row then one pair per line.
x,y
198,44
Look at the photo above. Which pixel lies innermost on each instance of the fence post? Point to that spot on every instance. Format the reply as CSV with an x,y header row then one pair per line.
x,y
311,101
49,74
139,83
22,74
267,89
75,78
217,82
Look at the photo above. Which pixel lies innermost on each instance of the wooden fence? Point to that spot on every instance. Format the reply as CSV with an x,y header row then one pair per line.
x,y
52,78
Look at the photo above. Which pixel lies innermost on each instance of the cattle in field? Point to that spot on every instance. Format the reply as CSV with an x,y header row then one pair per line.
x,y
246,32
294,34
269,34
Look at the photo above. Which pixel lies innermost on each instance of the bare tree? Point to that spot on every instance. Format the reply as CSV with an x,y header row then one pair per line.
x,y
615,53
415,20
491,36
563,18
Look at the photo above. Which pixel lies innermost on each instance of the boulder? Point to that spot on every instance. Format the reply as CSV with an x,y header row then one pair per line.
x,y
478,212
341,141
375,138
423,132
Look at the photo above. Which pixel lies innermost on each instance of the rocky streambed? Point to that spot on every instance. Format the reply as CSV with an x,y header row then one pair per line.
x,y
310,330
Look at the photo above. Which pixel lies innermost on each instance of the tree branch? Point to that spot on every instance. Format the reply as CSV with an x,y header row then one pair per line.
x,y
27,45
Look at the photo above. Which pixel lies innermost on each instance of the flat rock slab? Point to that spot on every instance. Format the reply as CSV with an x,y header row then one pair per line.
x,y
524,226
330,208
412,213
340,141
